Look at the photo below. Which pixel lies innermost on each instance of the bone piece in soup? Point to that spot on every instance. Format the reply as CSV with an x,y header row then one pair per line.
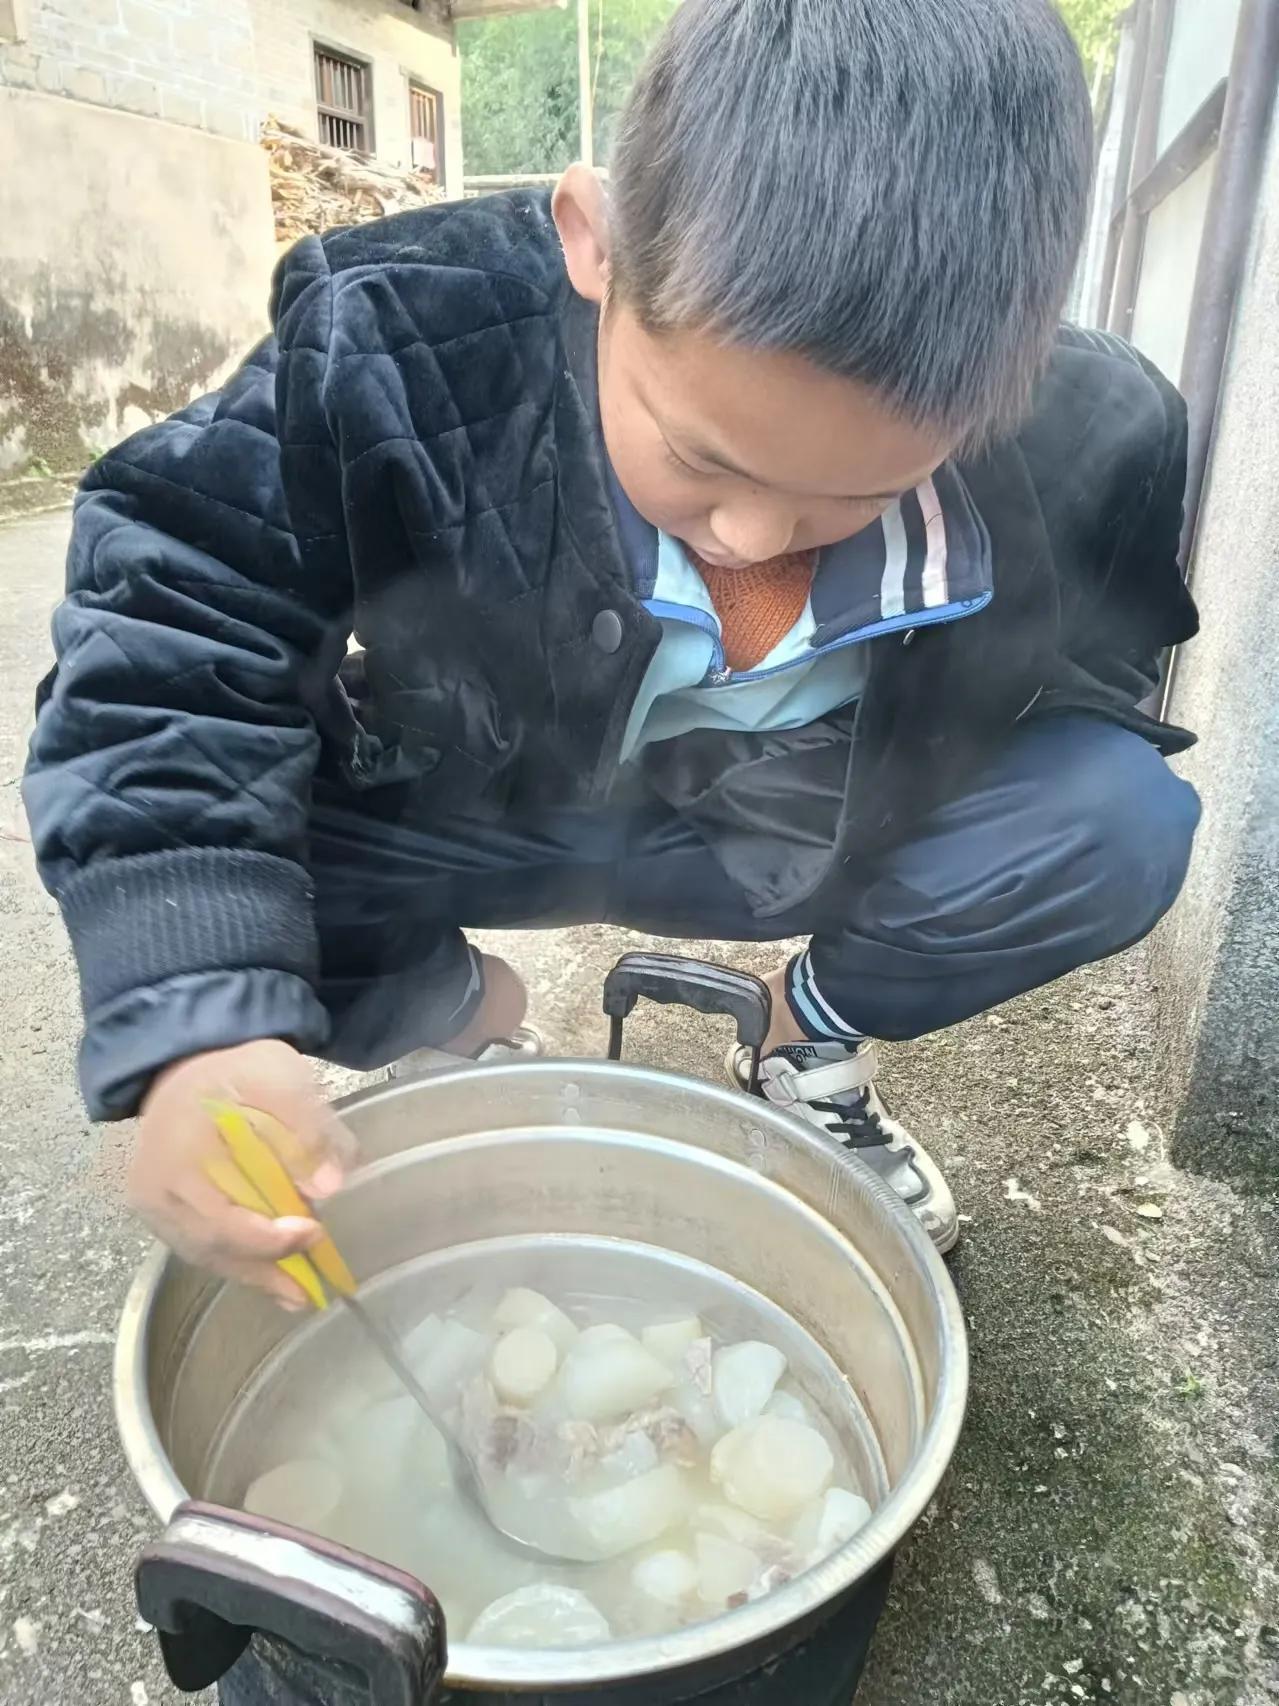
x,y
524,1308
603,1379
543,1614
633,1454
669,1577
666,1429
523,1363
304,1492
623,1518
699,1361
691,1395
724,1569
830,1524
744,1378
771,1467
670,1339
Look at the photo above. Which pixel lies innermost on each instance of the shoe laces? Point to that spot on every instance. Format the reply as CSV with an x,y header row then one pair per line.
x,y
856,1121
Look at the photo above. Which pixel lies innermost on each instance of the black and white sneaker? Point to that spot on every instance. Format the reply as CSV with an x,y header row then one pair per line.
x,y
832,1086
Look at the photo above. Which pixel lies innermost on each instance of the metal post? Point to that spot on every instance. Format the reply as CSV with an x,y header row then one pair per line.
x,y
1250,97
1144,154
1139,49
585,104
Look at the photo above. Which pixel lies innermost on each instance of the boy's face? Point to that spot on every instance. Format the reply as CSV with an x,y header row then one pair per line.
x,y
742,454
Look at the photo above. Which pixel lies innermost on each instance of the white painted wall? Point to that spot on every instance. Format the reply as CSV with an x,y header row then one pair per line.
x,y
1169,260
134,273
1203,33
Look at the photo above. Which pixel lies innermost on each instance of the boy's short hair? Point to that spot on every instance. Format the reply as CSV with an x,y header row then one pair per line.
x,y
894,188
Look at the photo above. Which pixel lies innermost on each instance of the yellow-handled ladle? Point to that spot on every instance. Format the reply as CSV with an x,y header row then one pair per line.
x,y
249,1172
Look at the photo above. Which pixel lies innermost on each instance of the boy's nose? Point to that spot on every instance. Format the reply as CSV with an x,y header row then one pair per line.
x,y
753,535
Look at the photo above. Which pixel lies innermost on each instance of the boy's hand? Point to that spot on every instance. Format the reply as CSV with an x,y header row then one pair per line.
x,y
169,1188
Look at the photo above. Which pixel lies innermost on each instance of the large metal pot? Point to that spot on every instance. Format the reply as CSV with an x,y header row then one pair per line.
x,y
576,1150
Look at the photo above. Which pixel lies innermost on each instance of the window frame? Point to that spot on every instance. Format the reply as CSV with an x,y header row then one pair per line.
x,y
415,86
1229,126
1146,176
321,48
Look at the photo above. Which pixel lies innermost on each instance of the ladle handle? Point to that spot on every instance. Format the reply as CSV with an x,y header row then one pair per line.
x,y
672,980
218,1577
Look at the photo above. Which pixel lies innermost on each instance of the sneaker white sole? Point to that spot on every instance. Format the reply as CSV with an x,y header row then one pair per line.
x,y
936,1213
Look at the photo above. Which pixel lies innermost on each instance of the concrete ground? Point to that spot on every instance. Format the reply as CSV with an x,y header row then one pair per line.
x,y
1110,1528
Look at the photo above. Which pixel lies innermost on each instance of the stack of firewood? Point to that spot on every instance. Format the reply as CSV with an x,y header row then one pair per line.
x,y
314,188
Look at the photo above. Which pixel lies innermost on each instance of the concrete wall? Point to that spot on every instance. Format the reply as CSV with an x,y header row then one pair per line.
x,y
135,259
186,60
399,43
1219,952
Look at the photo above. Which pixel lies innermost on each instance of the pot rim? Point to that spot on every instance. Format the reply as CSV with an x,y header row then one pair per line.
x,y
798,1603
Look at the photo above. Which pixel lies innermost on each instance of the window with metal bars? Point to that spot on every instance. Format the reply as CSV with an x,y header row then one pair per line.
x,y
343,101
426,130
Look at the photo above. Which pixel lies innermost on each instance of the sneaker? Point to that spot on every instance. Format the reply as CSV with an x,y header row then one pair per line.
x,y
832,1086
526,1042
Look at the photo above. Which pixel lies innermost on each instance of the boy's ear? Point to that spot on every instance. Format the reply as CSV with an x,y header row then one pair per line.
x,y
580,210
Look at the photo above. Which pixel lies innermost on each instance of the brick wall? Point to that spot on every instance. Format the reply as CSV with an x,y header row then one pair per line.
x,y
399,43
191,61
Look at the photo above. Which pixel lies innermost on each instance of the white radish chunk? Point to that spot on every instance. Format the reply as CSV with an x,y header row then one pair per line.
x,y
771,1467
789,1408
667,1577
606,1333
744,1378
394,1435
826,1526
541,1615
524,1308
724,1569
443,1353
608,1378
670,1339
304,1492
634,1514
730,1524
522,1364
420,1340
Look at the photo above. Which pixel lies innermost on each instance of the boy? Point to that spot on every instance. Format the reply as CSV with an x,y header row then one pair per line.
x,y
742,552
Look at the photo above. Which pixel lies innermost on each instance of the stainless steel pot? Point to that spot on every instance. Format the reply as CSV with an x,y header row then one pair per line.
x,y
565,1150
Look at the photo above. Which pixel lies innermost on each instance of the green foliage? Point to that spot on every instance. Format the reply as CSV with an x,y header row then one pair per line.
x,y
1094,25
519,82
519,76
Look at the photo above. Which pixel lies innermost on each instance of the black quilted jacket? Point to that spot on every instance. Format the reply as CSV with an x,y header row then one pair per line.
x,y
413,457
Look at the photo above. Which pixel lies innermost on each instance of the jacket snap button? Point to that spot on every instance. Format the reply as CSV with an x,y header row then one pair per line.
x,y
607,631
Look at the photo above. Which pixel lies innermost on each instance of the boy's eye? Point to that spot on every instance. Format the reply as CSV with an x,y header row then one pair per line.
x,y
673,456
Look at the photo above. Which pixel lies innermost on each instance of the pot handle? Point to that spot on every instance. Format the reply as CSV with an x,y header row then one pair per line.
x,y
673,980
217,1577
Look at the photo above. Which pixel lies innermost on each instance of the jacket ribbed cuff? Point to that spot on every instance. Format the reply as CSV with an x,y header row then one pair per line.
x,y
138,922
